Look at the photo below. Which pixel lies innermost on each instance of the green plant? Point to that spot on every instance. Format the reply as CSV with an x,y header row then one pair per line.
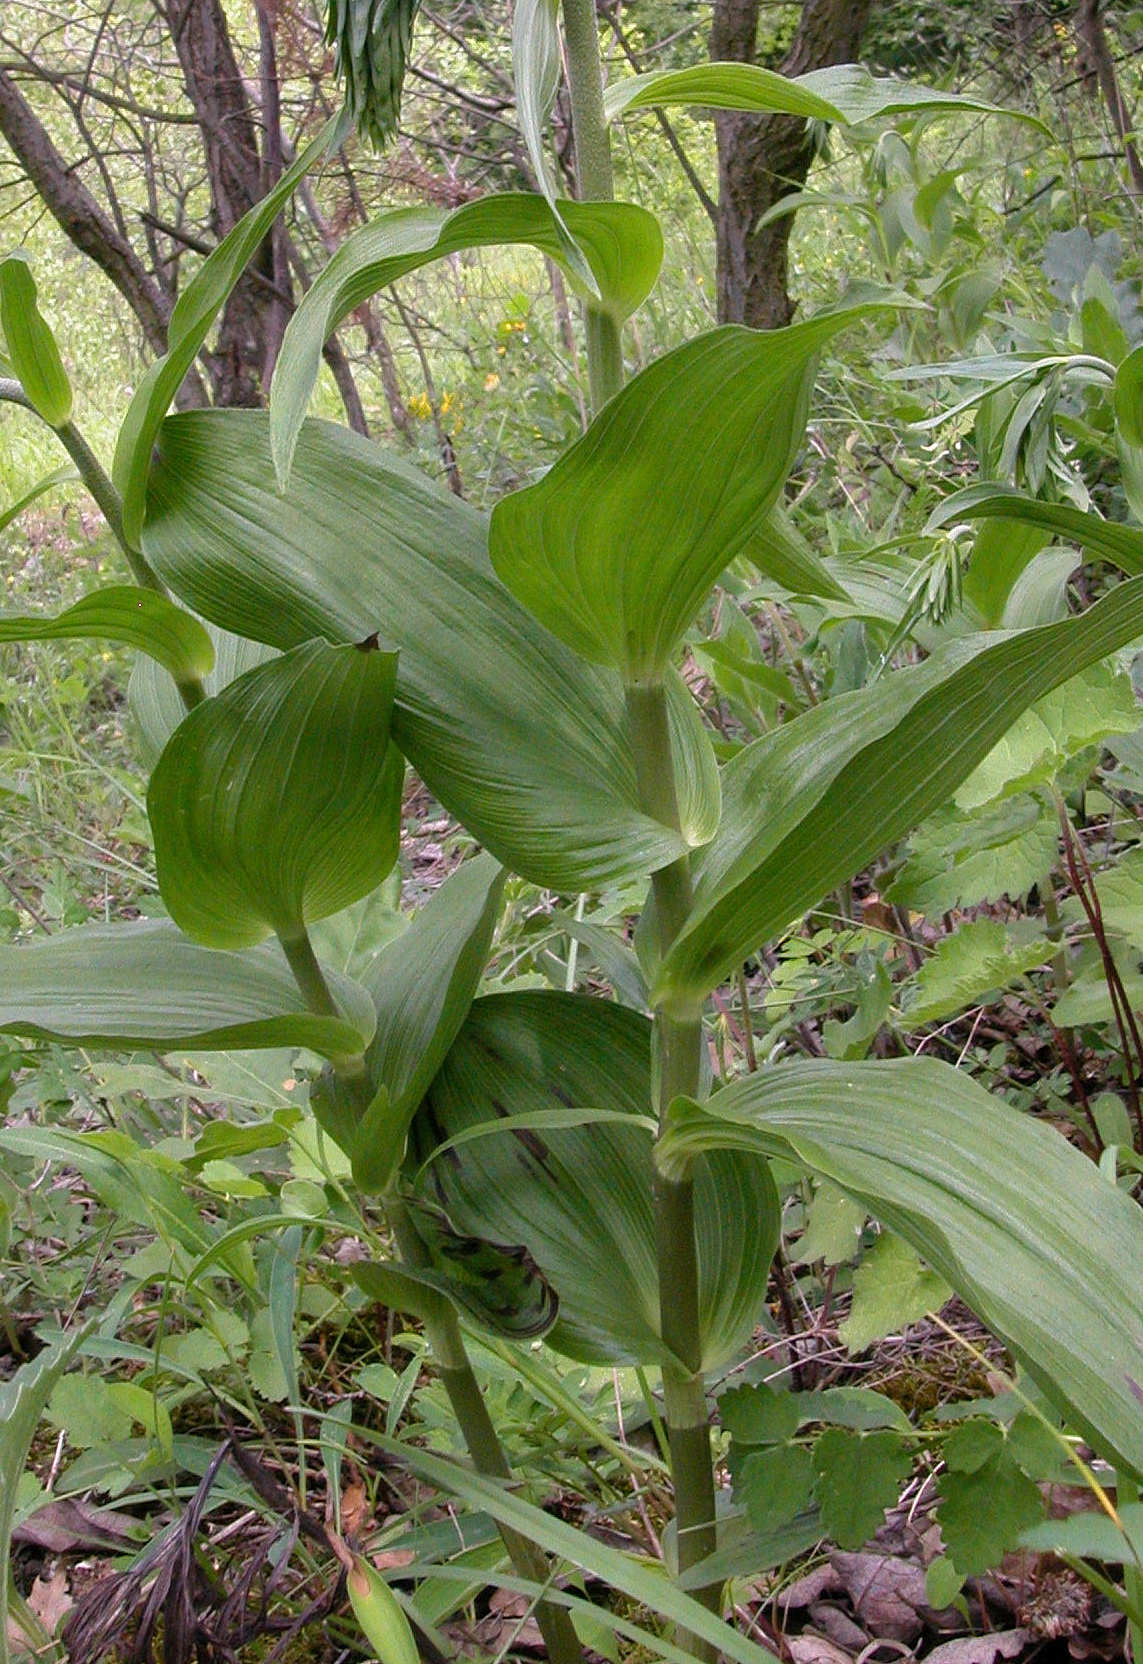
x,y
593,1187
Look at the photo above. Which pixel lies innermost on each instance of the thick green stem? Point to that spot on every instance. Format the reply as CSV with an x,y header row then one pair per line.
x,y
483,1443
678,1041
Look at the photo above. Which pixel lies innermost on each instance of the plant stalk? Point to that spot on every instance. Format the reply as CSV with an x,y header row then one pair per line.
x,y
481,1439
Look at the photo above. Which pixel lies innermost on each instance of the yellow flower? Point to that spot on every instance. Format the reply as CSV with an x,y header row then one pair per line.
x,y
419,406
491,382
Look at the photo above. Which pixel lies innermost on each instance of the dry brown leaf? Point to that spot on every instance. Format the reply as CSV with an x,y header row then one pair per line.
x,y
815,1649
389,1558
823,1580
887,1594
506,1624
67,1525
354,1510
980,1649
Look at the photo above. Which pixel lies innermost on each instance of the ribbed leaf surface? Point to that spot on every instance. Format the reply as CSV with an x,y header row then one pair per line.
x,y
278,802
807,806
579,1198
525,743
126,614
147,986
1022,1226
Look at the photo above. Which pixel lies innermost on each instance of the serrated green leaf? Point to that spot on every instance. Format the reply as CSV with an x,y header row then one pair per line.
x,y
278,801
773,1485
579,1198
984,1512
833,1228
860,1408
809,805
972,1444
998,1205
891,1289
600,553
360,542
195,311
148,986
759,1414
859,1476
126,614
958,861
621,244
970,965
1129,397
32,348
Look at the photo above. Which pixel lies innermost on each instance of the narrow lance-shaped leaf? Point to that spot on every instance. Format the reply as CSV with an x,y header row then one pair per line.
x,y
32,348
63,475
579,1197
544,778
422,986
126,614
808,806
1104,539
1129,397
605,550
844,93
1022,1226
278,802
195,311
146,986
622,245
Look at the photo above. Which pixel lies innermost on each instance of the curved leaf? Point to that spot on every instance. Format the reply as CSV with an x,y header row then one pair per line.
x,y
147,986
1021,1225
32,348
1105,539
521,740
809,805
195,311
154,699
610,558
622,244
844,93
125,613
1129,397
64,475
579,1198
279,801
536,67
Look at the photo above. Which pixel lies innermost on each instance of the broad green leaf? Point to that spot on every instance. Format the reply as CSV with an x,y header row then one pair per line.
x,y
759,1415
1021,1225
859,1476
149,987
1103,539
32,348
195,311
1093,1535
132,616
1000,553
622,244
833,1229
279,801
23,1399
497,1286
809,805
984,1510
1129,398
579,1198
602,551
63,475
971,965
154,699
773,1485
519,738
891,1289
957,860
778,549
422,985
845,93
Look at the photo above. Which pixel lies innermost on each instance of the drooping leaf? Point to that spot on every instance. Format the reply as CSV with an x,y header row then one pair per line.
x,y
1001,1206
600,550
807,806
372,40
1093,1535
844,93
622,244
536,69
195,311
1103,539
361,542
63,475
579,1198
278,801
32,348
147,986
129,615
422,986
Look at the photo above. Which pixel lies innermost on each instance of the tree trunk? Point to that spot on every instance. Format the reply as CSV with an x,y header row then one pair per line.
x,y
1097,63
762,159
